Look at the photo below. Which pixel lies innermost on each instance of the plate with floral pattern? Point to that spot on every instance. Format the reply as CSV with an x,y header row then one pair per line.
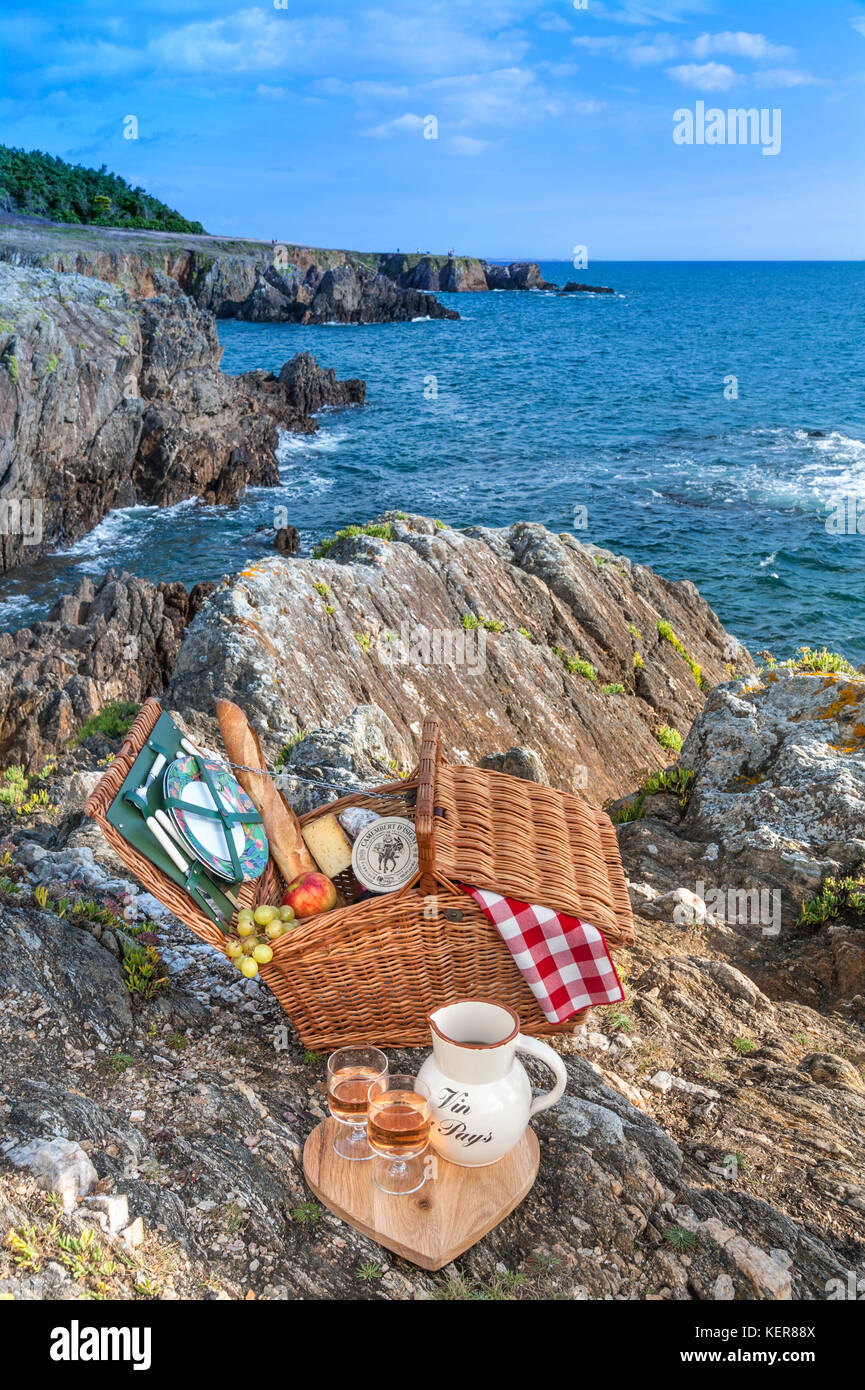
x,y
206,836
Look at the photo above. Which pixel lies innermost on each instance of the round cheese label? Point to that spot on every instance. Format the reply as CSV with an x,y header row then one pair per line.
x,y
384,856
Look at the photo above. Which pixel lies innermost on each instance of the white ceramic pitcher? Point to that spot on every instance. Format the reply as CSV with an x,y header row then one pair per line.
x,y
480,1095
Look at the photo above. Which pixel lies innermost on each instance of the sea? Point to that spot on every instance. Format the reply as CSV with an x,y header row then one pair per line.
x,y
706,419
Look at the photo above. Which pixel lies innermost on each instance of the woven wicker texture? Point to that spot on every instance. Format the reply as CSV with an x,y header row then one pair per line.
x,y
370,972
532,843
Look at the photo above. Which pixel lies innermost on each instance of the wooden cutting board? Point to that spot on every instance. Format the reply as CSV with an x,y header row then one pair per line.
x,y
430,1227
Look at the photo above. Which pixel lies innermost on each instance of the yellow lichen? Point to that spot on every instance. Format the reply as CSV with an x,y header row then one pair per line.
x,y
848,697
853,744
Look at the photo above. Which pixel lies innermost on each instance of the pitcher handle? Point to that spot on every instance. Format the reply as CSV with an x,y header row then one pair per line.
x,y
544,1054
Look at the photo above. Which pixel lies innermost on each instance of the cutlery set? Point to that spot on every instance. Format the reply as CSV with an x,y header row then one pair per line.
x,y
193,809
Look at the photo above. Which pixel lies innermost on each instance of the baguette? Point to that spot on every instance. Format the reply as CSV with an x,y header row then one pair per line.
x,y
280,823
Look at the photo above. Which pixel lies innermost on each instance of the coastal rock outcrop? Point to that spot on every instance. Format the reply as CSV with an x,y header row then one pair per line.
x,y
517,637
574,287
344,294
230,277
779,785
268,282
775,809
519,275
106,400
116,639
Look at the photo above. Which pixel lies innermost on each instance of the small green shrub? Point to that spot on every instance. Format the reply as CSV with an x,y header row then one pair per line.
x,y
679,1238
820,660
669,738
285,751
13,787
665,631
614,688
639,663
677,780
142,965
581,667
836,896
382,529
114,721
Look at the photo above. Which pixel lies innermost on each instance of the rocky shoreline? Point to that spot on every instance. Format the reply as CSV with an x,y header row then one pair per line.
x,y
266,282
709,1144
107,400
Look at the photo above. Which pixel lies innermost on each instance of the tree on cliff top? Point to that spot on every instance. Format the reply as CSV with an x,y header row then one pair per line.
x,y
42,185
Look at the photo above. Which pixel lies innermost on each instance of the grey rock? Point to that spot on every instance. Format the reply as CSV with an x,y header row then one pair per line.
x,y
264,640
107,399
518,762
60,1165
114,1207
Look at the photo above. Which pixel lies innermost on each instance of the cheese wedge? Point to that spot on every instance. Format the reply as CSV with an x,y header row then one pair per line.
x,y
328,844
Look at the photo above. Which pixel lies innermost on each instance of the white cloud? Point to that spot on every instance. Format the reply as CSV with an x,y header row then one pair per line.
x,y
398,126
467,145
708,77
659,50
644,12
435,37
553,23
248,41
785,77
641,51
739,45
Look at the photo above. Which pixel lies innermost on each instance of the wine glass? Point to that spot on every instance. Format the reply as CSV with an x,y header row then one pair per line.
x,y
398,1126
350,1070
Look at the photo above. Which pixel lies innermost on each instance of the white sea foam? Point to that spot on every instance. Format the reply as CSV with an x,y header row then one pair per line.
x,y
770,559
322,442
119,527
12,608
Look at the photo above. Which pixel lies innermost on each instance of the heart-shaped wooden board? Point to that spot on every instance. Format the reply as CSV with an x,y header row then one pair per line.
x,y
430,1227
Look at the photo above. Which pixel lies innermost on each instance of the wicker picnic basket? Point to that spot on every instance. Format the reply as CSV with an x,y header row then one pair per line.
x,y
371,972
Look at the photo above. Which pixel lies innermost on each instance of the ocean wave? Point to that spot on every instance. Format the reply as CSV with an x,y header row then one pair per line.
x,y
118,528
321,442
13,610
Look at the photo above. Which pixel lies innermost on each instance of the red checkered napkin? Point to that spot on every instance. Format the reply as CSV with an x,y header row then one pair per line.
x,y
564,962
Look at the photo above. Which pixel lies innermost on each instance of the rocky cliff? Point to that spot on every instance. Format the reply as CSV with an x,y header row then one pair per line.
x,y
514,637
113,640
232,278
107,400
264,281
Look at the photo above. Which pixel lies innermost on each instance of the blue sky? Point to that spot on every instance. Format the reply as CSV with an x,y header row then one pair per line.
x,y
306,121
